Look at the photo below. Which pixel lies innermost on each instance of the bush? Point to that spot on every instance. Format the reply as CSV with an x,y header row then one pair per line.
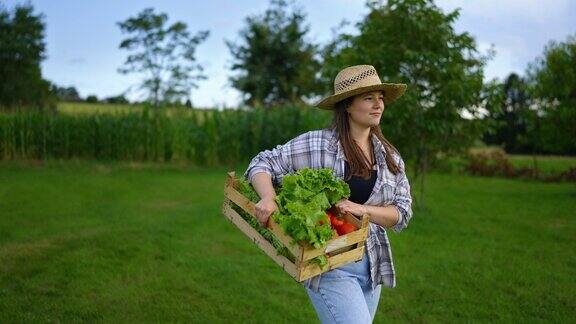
x,y
92,99
489,162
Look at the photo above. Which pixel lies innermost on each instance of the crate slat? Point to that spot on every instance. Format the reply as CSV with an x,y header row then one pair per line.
x,y
240,200
259,240
248,206
359,235
311,270
295,249
353,220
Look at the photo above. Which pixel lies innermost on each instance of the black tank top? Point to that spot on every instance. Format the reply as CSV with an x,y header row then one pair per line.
x,y
360,189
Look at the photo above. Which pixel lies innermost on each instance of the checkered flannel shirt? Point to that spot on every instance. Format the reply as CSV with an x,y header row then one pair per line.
x,y
321,149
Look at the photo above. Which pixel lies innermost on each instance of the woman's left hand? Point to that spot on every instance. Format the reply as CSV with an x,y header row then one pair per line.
x,y
345,205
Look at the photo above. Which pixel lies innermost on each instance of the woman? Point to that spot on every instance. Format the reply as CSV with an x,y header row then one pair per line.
x,y
356,150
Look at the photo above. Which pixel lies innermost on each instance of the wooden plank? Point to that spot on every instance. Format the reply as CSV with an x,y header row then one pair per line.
x,y
242,202
353,220
286,240
311,270
346,240
231,178
359,222
365,220
259,240
346,257
337,243
344,249
248,206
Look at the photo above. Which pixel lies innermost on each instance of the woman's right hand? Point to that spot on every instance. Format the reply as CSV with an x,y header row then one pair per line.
x,y
264,208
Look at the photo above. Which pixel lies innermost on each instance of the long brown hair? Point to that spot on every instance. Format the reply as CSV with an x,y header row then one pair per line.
x,y
359,164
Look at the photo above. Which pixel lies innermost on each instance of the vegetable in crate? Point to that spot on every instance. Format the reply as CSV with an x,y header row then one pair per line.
x,y
341,226
302,203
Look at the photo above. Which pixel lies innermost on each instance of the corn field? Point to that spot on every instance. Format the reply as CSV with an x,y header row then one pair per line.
x,y
205,137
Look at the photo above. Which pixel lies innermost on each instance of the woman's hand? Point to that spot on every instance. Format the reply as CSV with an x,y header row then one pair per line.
x,y
345,205
264,208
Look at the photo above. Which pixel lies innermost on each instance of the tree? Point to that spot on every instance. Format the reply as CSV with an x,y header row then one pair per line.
x,y
414,42
275,63
92,99
67,94
552,81
165,55
22,48
119,99
513,118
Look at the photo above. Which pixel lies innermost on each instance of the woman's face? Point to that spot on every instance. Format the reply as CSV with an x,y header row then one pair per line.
x,y
366,109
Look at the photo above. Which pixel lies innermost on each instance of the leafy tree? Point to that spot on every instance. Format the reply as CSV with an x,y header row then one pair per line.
x,y
552,79
164,54
414,42
275,63
22,48
92,99
513,117
119,99
69,94
188,103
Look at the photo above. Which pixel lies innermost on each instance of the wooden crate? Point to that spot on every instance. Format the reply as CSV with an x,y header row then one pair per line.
x,y
339,251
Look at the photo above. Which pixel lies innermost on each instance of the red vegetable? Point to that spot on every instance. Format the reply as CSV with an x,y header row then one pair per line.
x,y
336,222
346,228
341,226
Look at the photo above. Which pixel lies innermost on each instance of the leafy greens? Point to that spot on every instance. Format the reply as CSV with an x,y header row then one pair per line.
x,y
302,203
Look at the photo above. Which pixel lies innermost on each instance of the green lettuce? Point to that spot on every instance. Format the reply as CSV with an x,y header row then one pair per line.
x,y
302,203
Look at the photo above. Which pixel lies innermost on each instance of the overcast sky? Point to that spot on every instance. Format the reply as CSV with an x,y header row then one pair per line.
x,y
83,37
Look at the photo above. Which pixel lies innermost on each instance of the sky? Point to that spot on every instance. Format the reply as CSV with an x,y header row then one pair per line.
x,y
83,36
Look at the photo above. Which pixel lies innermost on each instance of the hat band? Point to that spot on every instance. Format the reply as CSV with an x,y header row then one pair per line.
x,y
344,84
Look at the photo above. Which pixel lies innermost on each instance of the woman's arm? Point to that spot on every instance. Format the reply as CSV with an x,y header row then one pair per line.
x,y
276,162
397,215
402,198
386,216
262,183
266,170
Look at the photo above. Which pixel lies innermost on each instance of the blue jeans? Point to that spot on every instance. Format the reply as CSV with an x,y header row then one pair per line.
x,y
345,294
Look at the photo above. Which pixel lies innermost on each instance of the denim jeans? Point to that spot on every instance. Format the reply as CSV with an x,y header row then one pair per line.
x,y
345,294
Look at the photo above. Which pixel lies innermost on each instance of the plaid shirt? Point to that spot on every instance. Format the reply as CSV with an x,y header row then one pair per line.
x,y
321,149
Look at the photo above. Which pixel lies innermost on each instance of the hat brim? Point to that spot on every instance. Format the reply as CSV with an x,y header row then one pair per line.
x,y
392,91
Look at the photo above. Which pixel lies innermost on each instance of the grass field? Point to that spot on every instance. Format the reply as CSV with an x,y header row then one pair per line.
x,y
125,242
546,164
83,108
73,108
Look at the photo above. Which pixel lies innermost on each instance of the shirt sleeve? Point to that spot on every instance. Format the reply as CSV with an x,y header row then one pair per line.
x,y
402,198
276,162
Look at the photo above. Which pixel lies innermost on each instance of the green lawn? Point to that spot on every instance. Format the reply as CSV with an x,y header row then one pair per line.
x,y
85,241
546,164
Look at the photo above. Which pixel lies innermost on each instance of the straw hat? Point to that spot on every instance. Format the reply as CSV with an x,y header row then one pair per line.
x,y
358,79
